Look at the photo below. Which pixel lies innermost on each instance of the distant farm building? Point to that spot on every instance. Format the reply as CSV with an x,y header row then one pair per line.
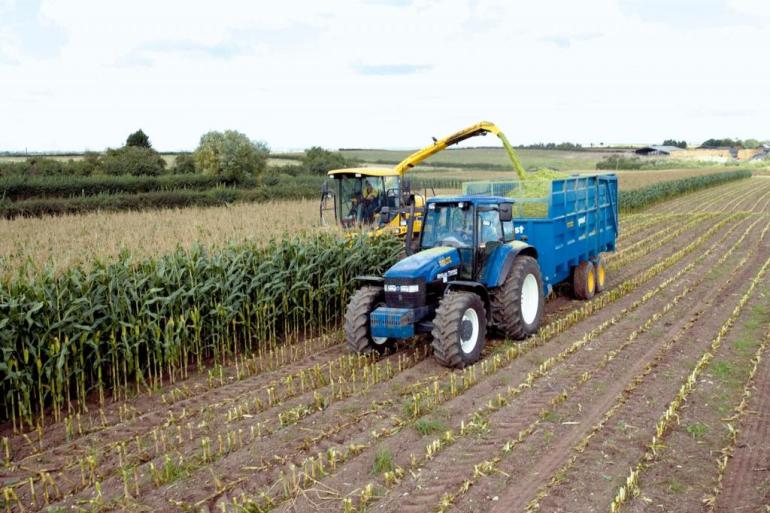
x,y
657,151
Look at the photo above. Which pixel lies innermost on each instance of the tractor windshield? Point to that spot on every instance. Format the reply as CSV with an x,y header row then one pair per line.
x,y
448,224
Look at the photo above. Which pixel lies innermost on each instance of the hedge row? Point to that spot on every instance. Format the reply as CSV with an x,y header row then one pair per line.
x,y
156,199
17,188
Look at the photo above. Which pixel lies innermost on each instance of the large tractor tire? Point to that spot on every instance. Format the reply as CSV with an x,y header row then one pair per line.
x,y
357,330
459,329
601,273
518,304
584,280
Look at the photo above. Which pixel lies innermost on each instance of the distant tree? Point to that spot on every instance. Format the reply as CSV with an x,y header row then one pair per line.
x,y
717,143
184,164
751,143
674,142
139,139
231,154
133,160
318,161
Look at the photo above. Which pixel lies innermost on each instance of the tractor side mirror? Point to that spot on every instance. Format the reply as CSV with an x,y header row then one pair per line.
x,y
506,212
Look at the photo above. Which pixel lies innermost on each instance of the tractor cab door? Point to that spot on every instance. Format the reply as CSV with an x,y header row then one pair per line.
x,y
490,235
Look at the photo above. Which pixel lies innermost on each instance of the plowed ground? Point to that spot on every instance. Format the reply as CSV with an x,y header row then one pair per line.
x,y
553,423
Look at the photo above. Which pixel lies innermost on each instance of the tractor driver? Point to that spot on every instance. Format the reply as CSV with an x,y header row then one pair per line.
x,y
371,199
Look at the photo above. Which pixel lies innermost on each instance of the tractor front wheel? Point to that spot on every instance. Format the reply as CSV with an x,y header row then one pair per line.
x,y
518,304
357,328
459,329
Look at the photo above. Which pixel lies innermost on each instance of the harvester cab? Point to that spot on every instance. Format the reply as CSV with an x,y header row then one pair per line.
x,y
478,267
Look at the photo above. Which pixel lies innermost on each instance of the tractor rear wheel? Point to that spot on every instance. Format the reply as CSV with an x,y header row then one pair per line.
x,y
584,280
459,329
357,328
518,304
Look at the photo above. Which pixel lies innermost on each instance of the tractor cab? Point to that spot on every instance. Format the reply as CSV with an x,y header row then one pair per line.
x,y
476,228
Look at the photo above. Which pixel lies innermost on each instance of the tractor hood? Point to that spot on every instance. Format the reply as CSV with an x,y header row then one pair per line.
x,y
425,265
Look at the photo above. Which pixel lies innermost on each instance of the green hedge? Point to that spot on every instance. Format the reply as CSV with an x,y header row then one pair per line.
x,y
18,188
644,197
156,199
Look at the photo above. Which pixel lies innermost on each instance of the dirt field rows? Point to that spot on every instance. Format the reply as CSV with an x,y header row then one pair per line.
x,y
651,397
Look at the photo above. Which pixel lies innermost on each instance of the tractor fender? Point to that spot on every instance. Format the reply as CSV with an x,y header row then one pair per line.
x,y
377,281
502,261
475,287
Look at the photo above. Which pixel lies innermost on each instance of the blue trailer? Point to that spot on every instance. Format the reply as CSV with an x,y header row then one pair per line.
x,y
485,262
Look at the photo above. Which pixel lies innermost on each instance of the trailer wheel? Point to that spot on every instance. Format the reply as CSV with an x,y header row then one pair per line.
x,y
584,280
459,329
357,330
518,304
601,273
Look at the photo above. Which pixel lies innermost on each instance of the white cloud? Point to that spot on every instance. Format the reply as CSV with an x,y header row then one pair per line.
x,y
383,72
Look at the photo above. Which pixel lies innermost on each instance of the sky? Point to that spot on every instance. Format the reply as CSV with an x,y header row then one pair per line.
x,y
82,74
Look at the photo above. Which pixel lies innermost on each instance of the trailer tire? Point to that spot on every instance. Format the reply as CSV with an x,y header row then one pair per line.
x,y
584,280
514,310
459,329
357,330
601,273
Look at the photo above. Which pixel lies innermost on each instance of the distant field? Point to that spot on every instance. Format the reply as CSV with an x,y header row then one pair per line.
x,y
562,160
63,241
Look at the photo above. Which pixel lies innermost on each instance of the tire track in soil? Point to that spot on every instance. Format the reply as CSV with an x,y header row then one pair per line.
x,y
616,447
149,410
750,202
675,205
189,444
746,482
417,442
684,472
509,422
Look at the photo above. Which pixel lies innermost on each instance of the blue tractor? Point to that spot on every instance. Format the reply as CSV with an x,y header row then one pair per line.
x,y
479,268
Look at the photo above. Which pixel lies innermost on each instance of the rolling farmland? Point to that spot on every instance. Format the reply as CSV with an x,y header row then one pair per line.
x,y
645,395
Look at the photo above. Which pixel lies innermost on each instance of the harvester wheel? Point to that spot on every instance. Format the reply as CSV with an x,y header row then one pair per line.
x,y
518,304
459,329
584,280
601,273
357,330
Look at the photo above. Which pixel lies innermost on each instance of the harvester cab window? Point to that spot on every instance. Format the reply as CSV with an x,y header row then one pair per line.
x,y
392,192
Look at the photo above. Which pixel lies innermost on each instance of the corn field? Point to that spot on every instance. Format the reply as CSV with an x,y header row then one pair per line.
x,y
124,325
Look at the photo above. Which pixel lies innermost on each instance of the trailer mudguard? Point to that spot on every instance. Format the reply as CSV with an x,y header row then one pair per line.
x,y
499,263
